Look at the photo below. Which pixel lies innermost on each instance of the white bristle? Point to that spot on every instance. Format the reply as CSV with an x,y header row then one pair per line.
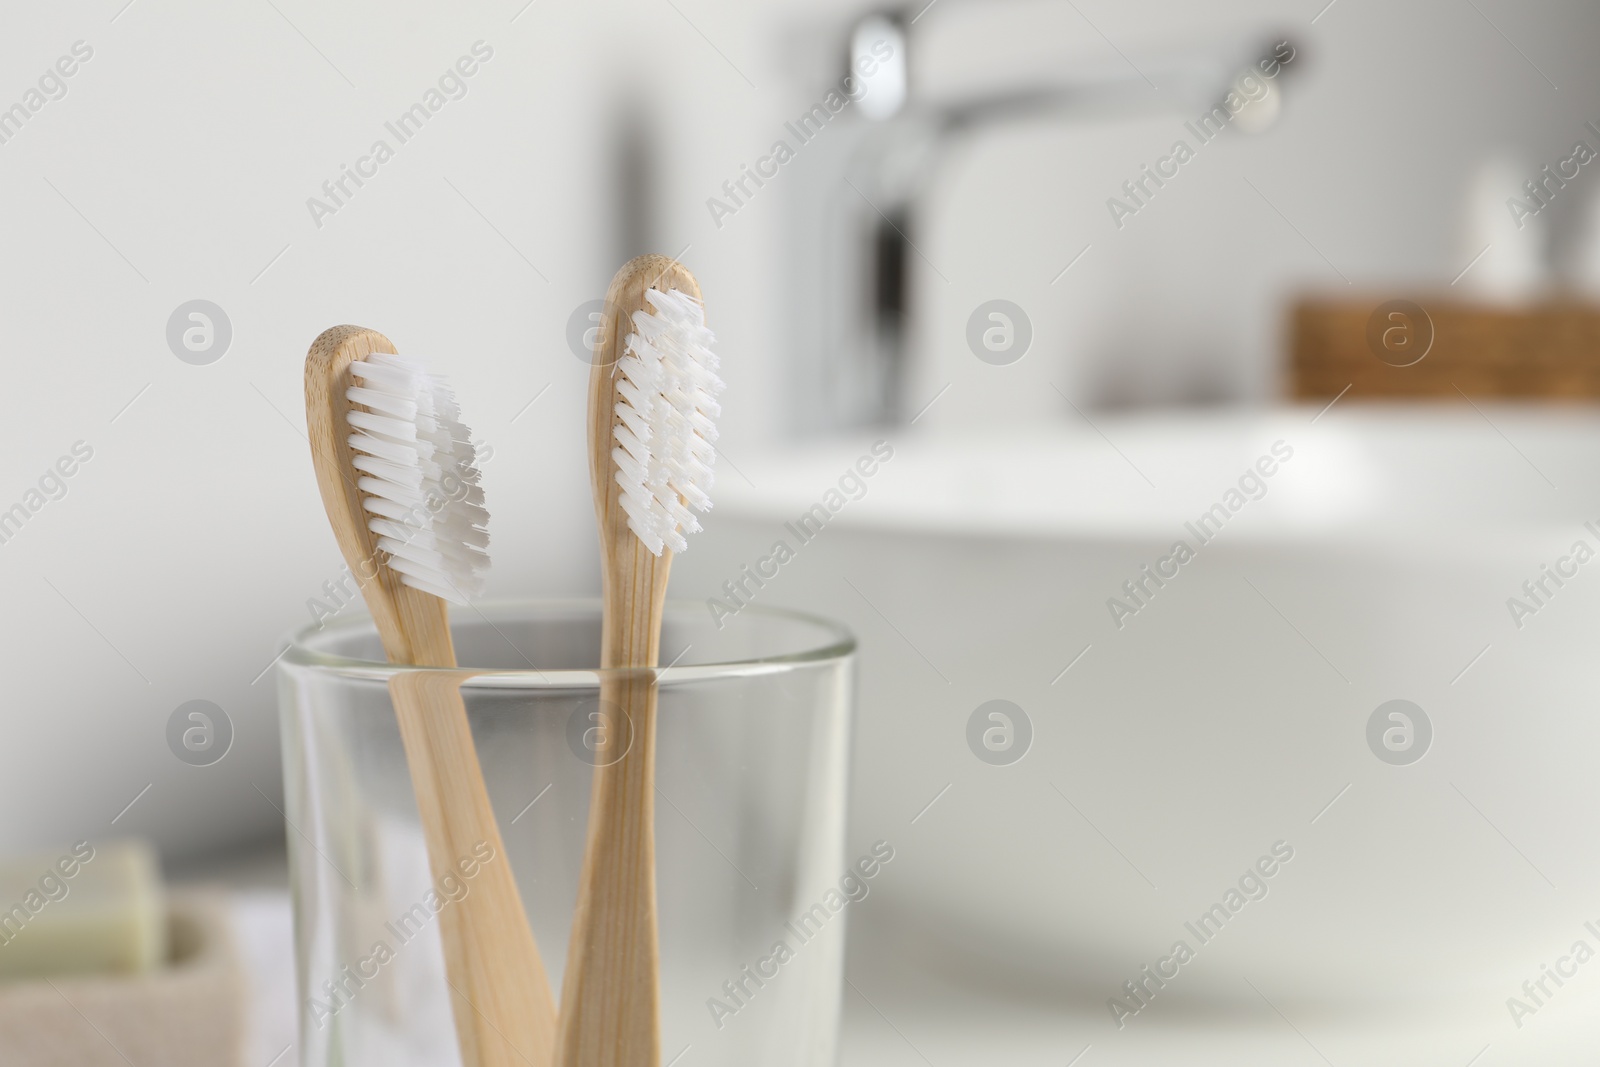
x,y
668,399
418,478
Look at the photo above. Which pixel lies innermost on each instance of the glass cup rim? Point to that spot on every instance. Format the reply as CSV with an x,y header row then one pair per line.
x,y
297,650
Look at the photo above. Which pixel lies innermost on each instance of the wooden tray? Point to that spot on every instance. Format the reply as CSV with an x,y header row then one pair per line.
x,y
1443,346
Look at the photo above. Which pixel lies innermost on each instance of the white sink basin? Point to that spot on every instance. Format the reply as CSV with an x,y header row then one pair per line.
x,y
1230,709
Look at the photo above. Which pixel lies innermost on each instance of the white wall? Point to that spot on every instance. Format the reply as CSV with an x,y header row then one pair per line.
x,y
179,163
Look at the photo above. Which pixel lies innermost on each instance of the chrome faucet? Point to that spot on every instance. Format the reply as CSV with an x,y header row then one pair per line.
x,y
853,241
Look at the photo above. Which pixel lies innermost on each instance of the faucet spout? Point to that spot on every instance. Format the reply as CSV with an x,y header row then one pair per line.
x,y
857,236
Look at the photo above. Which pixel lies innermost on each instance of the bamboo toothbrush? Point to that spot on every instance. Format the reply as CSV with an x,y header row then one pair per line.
x,y
394,465
652,398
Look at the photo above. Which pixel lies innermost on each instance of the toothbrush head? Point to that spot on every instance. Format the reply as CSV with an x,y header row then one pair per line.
x,y
416,470
667,386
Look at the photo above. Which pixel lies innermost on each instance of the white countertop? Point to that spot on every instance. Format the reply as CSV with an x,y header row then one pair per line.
x,y
903,1011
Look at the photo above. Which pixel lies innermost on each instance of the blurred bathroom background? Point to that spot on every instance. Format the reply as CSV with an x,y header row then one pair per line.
x,y
180,163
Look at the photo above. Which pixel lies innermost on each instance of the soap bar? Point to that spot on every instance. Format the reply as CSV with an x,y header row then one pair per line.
x,y
87,909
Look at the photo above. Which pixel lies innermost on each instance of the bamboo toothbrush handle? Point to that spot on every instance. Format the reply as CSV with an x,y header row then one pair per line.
x,y
504,1011
610,995
612,1004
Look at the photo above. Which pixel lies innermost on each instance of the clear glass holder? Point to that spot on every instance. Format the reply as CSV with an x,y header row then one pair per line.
x,y
753,744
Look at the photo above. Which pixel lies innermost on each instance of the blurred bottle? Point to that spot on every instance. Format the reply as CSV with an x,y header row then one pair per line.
x,y
1504,225
1583,264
